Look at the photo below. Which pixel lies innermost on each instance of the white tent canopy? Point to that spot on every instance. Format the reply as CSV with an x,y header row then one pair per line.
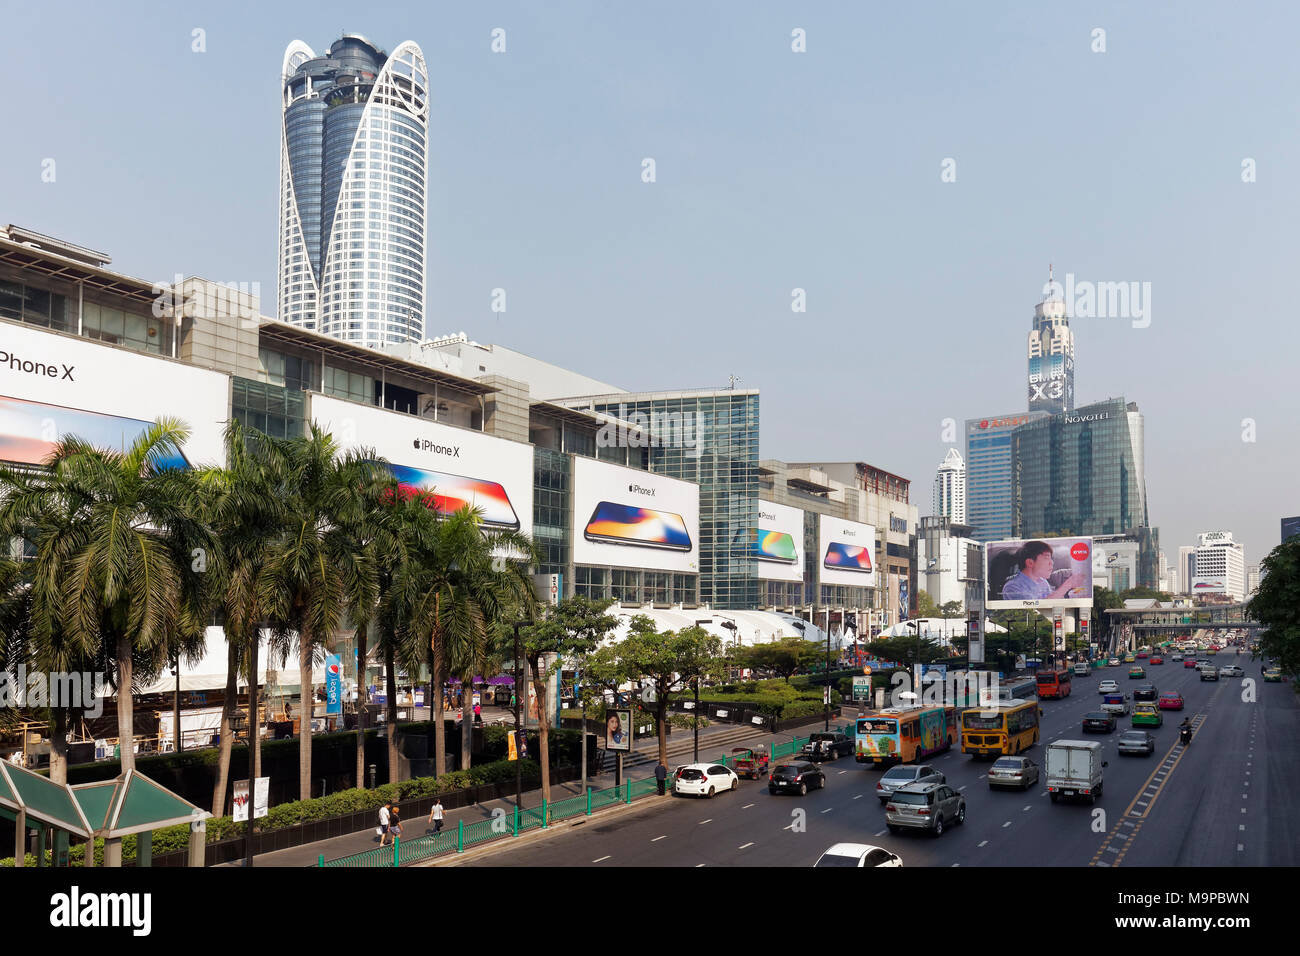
x,y
937,628
751,627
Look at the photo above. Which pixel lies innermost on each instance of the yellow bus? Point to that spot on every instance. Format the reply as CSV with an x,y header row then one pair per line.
x,y
1009,727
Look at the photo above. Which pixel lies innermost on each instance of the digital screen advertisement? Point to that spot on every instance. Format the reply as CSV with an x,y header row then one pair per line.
x,y
52,386
453,466
625,517
846,552
778,542
1039,572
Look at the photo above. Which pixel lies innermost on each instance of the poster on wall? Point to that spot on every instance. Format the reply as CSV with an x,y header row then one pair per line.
x,y
778,542
625,517
454,466
846,552
53,386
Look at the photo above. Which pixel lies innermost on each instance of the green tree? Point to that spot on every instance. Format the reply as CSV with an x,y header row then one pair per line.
x,y
121,562
907,650
567,632
785,657
1276,605
925,606
1103,599
670,660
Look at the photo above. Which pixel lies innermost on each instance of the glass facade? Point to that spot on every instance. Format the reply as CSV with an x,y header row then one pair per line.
x,y
353,206
724,463
274,409
552,484
988,473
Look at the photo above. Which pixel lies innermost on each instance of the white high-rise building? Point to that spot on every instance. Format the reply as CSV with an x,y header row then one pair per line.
x,y
1186,568
354,157
949,499
1220,566
1051,353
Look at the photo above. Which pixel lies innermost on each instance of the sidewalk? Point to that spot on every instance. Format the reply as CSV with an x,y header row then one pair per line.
x,y
309,854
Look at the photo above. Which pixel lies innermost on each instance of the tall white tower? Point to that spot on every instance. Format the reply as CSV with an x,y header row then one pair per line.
x,y
354,151
1051,353
949,499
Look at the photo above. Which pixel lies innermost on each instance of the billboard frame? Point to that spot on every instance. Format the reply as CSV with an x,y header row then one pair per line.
x,y
992,603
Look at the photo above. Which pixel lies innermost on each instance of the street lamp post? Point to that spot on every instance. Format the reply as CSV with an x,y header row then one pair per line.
x,y
519,699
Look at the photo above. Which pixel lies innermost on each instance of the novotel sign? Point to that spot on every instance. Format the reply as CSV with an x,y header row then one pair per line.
x,y
1094,417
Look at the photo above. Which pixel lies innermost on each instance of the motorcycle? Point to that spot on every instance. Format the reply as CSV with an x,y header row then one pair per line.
x,y
1185,735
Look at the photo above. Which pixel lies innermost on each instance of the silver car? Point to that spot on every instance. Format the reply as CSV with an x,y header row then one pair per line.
x,y
1013,772
1137,742
925,806
899,776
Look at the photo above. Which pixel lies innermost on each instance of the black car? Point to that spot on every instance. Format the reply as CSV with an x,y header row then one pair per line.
x,y
1099,722
1147,692
826,746
798,777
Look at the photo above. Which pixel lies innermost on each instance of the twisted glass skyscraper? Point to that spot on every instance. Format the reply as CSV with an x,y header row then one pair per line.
x,y
353,165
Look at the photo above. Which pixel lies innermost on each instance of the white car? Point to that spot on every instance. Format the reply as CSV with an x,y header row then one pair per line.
x,y
704,779
1230,670
1113,662
1108,687
859,855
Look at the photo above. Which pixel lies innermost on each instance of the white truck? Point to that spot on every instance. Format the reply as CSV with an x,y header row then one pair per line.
x,y
1074,769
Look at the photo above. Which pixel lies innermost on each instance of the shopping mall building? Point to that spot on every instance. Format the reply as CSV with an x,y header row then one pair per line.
x,y
657,500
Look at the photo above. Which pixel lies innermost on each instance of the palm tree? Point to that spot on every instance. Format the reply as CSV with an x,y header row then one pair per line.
x,y
315,565
121,565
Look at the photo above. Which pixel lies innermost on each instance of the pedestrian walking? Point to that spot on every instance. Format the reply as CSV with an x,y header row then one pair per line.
x,y
395,823
384,817
435,815
478,713
661,777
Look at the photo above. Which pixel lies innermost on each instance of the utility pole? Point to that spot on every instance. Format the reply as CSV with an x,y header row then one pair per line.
x,y
696,722
519,699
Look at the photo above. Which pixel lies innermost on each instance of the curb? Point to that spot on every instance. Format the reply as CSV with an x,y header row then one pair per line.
x,y
533,836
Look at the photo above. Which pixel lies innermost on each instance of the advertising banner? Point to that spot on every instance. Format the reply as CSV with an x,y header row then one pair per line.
x,y
975,639
454,466
261,799
52,386
846,552
778,542
625,517
1039,573
333,683
618,730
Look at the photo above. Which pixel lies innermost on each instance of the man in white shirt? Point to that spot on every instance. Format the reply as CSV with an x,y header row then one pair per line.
x,y
383,825
435,815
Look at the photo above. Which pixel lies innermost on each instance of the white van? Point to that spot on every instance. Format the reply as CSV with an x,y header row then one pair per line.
x,y
1082,668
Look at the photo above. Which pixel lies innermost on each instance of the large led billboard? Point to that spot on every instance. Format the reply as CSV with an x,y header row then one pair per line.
x,y
1039,572
777,542
846,552
52,386
627,518
454,466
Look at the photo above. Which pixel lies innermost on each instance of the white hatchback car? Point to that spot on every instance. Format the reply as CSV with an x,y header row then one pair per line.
x,y
1107,687
704,779
859,855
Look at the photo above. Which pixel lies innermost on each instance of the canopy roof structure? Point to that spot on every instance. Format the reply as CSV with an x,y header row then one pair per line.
x,y
132,803
43,801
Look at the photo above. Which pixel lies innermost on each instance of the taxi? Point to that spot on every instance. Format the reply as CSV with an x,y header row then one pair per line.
x,y
1189,662
1171,700
1129,658
1136,673
1156,660
1147,714
1273,675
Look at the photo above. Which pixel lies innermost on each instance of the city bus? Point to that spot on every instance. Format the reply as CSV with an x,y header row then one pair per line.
x,y
1019,689
901,736
1009,727
1053,683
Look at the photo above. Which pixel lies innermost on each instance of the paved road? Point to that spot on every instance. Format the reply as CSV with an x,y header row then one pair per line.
x,y
1182,807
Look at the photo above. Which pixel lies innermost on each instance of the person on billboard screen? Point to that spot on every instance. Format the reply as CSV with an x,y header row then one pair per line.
x,y
1036,580
614,729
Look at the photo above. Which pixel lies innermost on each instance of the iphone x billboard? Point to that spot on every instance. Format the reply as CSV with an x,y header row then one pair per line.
x,y
778,542
625,517
846,552
55,386
453,467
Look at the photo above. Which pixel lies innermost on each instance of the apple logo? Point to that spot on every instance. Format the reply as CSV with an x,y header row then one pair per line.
x,y
416,444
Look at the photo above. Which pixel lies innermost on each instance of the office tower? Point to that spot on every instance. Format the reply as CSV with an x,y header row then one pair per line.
x,y
988,473
353,165
949,500
1051,354
1220,565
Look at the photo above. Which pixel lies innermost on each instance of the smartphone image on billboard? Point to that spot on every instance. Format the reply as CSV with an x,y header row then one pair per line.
x,y
613,523
848,557
450,493
30,430
775,546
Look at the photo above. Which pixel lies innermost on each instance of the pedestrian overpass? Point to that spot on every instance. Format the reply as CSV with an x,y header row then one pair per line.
x,y
1148,625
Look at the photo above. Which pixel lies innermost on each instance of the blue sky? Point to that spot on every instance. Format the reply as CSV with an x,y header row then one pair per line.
x,y
775,170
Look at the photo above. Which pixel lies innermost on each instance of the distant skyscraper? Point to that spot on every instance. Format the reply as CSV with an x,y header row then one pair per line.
x,y
353,166
1186,568
1220,565
988,473
949,500
1051,354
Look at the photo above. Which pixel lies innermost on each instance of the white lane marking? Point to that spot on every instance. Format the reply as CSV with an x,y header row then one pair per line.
x,y
964,787
1241,826
984,843
709,820
1243,809
883,832
601,859
746,806
1029,807
843,772
956,864
790,827
743,847
828,810
698,865
1007,824
859,796
658,838
1240,847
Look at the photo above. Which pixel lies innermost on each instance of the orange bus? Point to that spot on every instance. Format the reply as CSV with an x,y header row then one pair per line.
x,y
902,736
1054,683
